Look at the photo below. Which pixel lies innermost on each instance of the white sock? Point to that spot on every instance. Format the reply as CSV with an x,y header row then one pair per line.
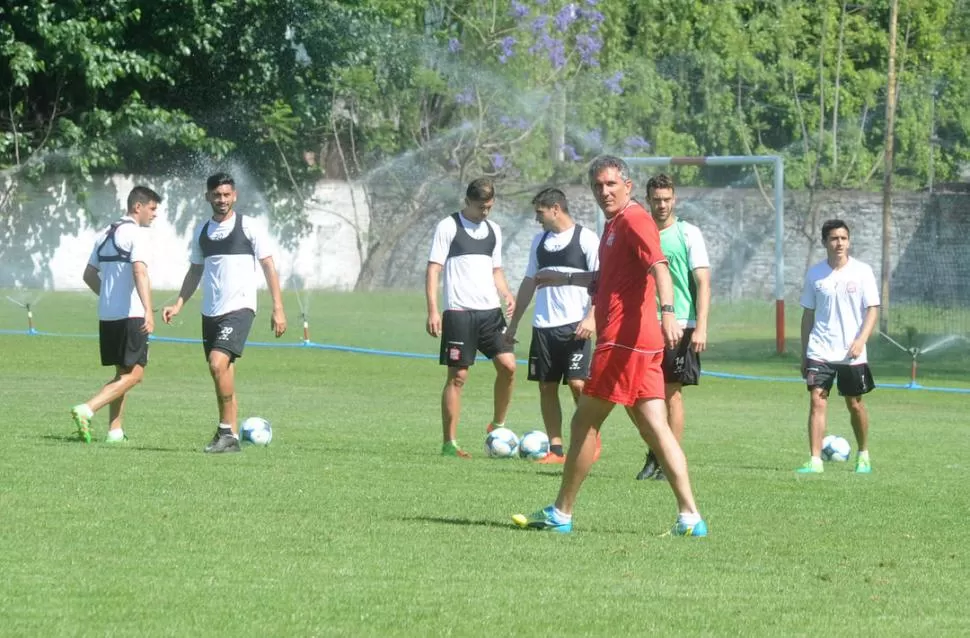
x,y
227,427
498,425
85,411
559,516
864,455
116,434
816,460
688,518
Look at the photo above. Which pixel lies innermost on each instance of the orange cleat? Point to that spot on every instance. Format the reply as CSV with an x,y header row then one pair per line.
x,y
552,459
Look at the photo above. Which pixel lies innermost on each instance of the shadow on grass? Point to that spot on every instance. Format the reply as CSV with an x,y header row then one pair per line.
x,y
464,522
72,439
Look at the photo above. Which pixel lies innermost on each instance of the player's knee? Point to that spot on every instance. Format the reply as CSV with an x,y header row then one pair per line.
x,y
576,386
458,378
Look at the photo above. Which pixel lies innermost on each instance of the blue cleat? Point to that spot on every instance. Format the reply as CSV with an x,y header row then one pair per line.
x,y
542,520
698,529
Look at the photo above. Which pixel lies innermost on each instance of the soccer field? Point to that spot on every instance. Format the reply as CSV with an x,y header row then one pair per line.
x,y
351,524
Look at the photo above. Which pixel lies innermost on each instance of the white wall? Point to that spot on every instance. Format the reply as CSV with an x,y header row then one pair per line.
x,y
38,254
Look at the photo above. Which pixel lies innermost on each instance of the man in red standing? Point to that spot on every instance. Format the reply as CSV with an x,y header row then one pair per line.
x,y
626,367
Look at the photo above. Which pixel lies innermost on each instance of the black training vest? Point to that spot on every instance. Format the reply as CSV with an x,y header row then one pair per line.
x,y
465,244
235,243
123,255
572,256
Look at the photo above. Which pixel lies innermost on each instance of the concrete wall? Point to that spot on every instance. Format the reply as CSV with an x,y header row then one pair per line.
x,y
45,242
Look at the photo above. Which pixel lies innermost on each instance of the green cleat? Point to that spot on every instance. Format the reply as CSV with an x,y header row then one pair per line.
x,y
82,414
451,449
813,466
862,466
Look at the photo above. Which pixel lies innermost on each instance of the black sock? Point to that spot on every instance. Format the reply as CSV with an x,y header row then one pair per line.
x,y
556,449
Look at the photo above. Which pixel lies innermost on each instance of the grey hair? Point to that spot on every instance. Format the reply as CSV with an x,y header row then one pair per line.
x,y
604,162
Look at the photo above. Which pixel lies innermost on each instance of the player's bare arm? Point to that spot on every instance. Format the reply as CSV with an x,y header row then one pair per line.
x,y
549,277
278,318
431,277
502,287
189,285
139,271
671,329
92,278
808,320
523,298
868,325
702,279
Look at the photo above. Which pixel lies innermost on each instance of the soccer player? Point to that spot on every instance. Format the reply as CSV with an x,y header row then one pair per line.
x,y
690,270
840,303
225,251
563,322
467,247
626,367
117,272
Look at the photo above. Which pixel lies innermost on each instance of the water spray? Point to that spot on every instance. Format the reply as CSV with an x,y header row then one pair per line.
x,y
915,351
30,314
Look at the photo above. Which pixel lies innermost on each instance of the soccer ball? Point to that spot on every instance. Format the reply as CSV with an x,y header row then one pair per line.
x,y
501,443
256,430
534,445
835,448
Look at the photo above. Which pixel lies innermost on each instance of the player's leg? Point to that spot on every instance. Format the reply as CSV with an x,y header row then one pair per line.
x,y
224,338
819,379
451,410
490,336
545,367
853,382
502,390
457,351
116,411
584,430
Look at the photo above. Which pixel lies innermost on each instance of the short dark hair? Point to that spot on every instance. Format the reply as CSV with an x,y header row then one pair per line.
x,y
481,190
831,225
219,179
549,197
659,181
142,195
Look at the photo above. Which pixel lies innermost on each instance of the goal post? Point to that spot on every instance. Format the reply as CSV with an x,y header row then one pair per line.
x,y
777,162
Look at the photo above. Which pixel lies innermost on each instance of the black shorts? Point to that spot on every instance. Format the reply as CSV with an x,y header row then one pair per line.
x,y
465,332
227,332
556,354
682,365
123,343
853,381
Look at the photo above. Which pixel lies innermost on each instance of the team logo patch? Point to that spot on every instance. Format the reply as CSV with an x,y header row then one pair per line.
x,y
851,287
454,354
224,333
610,238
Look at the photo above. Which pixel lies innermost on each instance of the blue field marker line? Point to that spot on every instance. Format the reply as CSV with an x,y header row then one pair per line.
x,y
415,355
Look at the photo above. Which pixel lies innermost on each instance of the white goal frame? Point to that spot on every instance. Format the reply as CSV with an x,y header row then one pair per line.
x,y
778,163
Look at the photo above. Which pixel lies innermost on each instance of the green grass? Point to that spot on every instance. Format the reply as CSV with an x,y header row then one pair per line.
x,y
351,524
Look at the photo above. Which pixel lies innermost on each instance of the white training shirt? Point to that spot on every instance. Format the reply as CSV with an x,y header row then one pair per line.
x,y
840,299
229,281
468,280
562,305
119,298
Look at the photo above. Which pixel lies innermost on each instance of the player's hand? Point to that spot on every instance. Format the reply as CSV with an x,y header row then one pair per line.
x,y
434,324
698,340
149,326
586,329
856,349
277,322
169,312
549,277
672,331
509,306
509,335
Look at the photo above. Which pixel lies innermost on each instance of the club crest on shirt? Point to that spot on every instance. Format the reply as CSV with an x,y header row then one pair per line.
x,y
610,238
851,287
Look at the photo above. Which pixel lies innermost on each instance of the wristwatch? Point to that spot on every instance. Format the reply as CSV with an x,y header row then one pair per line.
x,y
668,309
